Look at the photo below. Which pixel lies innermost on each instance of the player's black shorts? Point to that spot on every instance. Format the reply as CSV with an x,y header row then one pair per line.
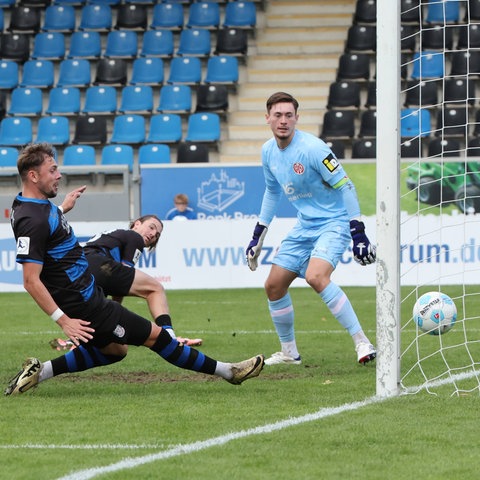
x,y
115,278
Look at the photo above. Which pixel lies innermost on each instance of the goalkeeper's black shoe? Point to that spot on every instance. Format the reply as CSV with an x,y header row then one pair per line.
x,y
247,369
26,378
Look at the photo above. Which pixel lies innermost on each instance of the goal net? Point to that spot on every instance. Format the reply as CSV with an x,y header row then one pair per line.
x,y
428,192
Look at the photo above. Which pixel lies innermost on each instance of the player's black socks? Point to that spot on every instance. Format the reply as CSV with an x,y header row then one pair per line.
x,y
182,356
164,320
82,358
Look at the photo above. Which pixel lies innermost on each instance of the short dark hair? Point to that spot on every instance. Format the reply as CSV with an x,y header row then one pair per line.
x,y
32,156
281,97
143,219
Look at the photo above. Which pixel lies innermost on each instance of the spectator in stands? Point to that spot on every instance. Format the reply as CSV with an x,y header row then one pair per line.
x,y
306,170
181,210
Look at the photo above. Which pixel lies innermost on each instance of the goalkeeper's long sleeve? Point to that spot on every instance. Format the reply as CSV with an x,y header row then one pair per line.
x,y
350,199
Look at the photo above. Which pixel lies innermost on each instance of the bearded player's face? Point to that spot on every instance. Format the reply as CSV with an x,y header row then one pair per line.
x,y
282,120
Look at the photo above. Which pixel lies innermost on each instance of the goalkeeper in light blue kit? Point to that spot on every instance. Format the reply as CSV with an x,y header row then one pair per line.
x,y
303,167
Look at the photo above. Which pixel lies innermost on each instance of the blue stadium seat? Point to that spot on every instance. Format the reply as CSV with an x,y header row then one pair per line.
x,y
100,99
442,12
415,122
147,71
428,64
185,70
96,17
79,155
121,44
112,3
167,16
148,154
136,99
157,43
48,46
203,127
175,98
86,45
59,18
128,129
117,155
165,128
15,131
26,101
222,69
37,73
54,130
63,101
8,157
74,72
240,15
9,74
194,42
203,15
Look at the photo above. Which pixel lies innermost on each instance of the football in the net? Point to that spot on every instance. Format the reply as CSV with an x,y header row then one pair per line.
x,y
435,313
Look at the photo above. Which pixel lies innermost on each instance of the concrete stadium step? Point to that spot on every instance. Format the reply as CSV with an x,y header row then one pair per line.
x,y
312,6
298,89
300,47
257,117
307,104
289,75
266,62
250,148
258,132
302,34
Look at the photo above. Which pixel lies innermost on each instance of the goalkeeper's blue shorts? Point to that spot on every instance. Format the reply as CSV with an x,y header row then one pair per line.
x,y
327,242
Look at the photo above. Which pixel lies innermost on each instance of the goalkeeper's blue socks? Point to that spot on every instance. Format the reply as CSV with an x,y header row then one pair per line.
x,y
283,316
341,308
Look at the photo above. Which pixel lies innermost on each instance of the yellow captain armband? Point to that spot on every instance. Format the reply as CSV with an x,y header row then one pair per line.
x,y
342,182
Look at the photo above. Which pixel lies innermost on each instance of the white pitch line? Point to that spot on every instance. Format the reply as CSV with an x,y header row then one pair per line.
x,y
184,449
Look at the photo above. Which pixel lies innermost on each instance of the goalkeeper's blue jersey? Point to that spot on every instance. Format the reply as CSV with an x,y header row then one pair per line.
x,y
305,172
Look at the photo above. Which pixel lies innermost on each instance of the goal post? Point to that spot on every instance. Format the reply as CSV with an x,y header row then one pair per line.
x,y
388,297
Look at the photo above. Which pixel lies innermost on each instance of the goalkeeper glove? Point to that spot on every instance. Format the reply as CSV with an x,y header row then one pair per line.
x,y
363,251
255,246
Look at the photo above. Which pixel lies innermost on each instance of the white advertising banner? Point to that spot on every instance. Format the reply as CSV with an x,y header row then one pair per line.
x,y
211,253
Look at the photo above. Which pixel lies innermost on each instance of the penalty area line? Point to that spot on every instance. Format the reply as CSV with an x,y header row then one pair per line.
x,y
187,448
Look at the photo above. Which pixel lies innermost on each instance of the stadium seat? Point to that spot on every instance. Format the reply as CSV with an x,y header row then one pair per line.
x,y
15,46
121,44
15,131
185,70
132,17
409,38
128,129
157,43
444,147
8,157
337,146
74,72
9,74
79,155
473,147
222,69
371,101
147,71
442,12
338,124
459,91
364,148
59,18
468,36
411,148
343,95
117,155
54,130
24,19
428,64
175,98
192,152
136,99
63,101
203,127
100,100
212,98
368,124
465,63
365,12
452,121
167,16
437,37
421,93
26,101
415,122
111,71
240,15
96,17
37,73
90,130
361,38
87,45
353,66
48,46
150,154
410,12
203,15
472,11
231,41
194,42
165,128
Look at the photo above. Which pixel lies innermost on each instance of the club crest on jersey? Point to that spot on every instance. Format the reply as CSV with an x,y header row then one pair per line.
x,y
23,245
119,331
331,163
298,168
